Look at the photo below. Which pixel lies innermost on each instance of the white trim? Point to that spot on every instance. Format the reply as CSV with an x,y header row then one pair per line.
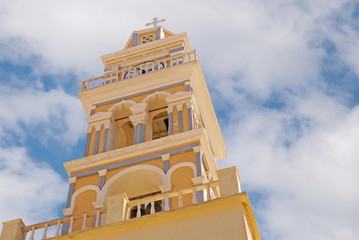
x,y
197,149
98,204
165,157
155,93
128,170
199,180
72,179
122,102
179,165
165,188
102,172
85,188
67,211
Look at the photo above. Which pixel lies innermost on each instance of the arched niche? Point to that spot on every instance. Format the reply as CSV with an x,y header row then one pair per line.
x,y
158,116
141,180
122,130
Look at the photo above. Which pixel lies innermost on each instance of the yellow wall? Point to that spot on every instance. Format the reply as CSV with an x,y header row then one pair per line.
x,y
182,157
182,178
83,203
92,142
218,219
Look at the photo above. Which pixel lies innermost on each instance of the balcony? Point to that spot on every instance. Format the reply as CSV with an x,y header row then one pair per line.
x,y
138,70
225,210
102,215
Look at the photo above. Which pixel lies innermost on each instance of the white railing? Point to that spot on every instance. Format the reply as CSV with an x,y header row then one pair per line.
x,y
210,189
60,223
135,71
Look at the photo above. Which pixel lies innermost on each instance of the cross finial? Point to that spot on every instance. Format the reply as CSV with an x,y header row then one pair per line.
x,y
155,21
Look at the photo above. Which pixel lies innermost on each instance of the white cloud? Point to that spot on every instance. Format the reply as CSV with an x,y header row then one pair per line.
x,y
307,173
28,189
53,114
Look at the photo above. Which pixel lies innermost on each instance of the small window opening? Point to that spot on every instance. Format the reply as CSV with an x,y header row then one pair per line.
x,y
160,126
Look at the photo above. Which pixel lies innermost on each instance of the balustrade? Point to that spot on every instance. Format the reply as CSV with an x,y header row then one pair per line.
x,y
60,223
152,201
135,71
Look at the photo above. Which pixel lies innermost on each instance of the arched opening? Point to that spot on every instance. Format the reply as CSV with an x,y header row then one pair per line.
x,y
122,130
137,183
157,108
125,134
160,125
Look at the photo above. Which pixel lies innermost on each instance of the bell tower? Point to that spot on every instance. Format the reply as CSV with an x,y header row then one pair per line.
x,y
151,151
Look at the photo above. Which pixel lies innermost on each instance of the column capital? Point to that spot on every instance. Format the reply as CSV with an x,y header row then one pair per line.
x,y
98,127
189,104
165,188
72,179
89,129
179,106
197,149
102,172
107,124
139,118
165,157
170,109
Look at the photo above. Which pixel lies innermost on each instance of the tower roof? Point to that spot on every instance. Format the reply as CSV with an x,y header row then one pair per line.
x,y
147,35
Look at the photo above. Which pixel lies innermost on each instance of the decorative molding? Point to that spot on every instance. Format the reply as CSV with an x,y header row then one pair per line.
x,y
139,108
89,129
72,179
107,124
139,118
165,188
99,117
199,180
134,160
178,96
197,149
170,109
102,172
179,106
68,211
98,204
189,104
98,127
138,94
165,157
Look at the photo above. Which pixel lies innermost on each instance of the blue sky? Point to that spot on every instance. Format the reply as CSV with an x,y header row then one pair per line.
x,y
283,77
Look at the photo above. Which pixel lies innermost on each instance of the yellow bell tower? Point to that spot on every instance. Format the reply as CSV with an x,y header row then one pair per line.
x,y
149,169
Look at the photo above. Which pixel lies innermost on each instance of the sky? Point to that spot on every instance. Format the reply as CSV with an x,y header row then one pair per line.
x,y
283,77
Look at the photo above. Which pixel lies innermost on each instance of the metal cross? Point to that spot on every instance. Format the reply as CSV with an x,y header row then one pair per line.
x,y
155,21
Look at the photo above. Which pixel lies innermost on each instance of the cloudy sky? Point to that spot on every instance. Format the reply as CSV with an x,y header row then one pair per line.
x,y
283,76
